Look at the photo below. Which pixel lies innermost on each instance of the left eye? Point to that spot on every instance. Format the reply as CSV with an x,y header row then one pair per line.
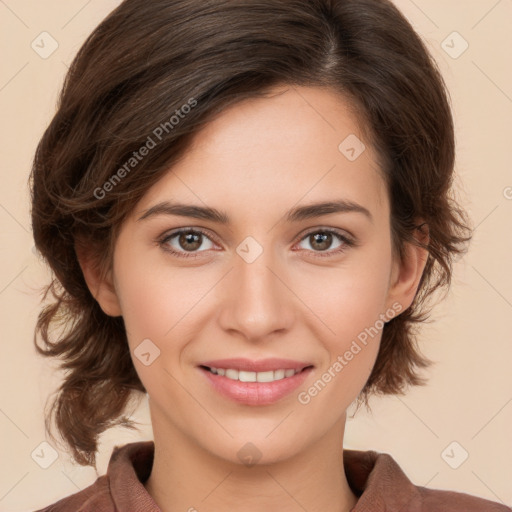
x,y
186,243
321,240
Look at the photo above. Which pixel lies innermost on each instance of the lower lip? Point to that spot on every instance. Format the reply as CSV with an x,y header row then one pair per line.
x,y
256,393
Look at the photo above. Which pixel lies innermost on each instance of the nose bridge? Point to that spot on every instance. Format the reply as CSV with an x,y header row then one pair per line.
x,y
259,302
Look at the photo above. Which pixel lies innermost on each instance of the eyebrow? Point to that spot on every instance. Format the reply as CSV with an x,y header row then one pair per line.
x,y
294,215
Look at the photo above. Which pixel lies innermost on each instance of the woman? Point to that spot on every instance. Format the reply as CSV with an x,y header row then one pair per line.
x,y
246,205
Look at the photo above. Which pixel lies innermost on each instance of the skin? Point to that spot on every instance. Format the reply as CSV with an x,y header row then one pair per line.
x,y
255,161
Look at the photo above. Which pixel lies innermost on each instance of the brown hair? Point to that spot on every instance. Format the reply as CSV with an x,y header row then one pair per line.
x,y
137,70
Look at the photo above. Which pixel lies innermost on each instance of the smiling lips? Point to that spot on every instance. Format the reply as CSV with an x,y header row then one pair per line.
x,y
260,382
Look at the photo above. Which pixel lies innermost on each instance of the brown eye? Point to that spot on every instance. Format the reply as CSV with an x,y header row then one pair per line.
x,y
186,243
326,242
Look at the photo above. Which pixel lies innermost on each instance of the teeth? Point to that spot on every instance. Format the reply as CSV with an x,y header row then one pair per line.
x,y
244,376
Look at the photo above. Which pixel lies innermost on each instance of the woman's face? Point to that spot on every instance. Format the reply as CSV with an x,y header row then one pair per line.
x,y
277,278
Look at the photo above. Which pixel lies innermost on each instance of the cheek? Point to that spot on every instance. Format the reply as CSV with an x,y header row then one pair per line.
x,y
167,307
157,310
349,297
349,301
157,300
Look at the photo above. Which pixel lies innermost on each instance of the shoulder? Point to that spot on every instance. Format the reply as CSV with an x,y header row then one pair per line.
x,y
381,485
121,488
449,501
96,497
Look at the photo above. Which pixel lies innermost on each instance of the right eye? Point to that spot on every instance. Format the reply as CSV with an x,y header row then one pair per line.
x,y
185,242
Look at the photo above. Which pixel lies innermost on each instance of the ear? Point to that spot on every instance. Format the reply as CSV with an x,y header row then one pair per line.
x,y
406,274
100,285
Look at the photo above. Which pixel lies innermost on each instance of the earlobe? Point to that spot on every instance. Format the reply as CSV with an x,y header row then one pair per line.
x,y
101,286
407,273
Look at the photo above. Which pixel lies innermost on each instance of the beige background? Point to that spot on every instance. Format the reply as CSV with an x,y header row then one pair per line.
x,y
469,396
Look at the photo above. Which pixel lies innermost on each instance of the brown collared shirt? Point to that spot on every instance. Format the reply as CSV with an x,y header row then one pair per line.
x,y
377,480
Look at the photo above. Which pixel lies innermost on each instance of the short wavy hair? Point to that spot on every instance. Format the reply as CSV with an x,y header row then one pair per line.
x,y
135,71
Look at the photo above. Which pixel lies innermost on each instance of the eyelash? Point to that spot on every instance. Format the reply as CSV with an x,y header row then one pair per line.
x,y
347,242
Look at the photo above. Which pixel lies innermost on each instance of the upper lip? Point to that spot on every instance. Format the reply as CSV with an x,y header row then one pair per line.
x,y
260,365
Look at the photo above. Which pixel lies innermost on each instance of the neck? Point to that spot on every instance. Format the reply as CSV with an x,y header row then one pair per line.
x,y
187,477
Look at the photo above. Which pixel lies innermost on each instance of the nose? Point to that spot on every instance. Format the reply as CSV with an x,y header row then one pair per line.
x,y
257,301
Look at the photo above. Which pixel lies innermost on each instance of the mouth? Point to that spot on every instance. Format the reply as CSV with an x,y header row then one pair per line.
x,y
255,383
252,376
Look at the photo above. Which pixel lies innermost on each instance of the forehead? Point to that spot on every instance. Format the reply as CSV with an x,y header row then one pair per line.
x,y
267,154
